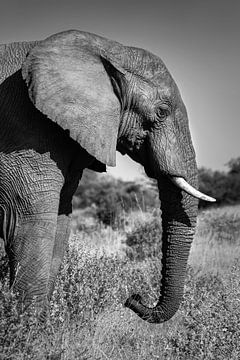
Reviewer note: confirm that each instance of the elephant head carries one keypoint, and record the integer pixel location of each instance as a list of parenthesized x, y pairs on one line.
[(109, 97)]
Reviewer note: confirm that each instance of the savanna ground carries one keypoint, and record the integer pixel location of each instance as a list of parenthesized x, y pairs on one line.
[(104, 266)]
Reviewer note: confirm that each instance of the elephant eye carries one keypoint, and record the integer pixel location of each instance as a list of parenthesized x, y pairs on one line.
[(161, 113)]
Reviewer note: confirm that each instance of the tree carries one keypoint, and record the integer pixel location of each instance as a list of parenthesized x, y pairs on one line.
[(224, 186), (234, 166)]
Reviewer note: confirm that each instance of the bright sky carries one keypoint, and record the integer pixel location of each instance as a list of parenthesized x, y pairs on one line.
[(198, 41)]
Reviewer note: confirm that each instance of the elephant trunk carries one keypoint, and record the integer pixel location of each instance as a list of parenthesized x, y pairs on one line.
[(179, 211)]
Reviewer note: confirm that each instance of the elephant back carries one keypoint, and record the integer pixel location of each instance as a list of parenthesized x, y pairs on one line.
[(12, 56)]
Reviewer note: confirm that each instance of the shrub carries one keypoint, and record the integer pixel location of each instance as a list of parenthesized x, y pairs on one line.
[(111, 196), (144, 240)]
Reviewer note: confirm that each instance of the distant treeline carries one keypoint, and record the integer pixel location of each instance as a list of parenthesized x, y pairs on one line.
[(224, 186), (108, 197)]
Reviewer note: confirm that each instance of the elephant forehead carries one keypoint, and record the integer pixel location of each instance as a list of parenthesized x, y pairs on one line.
[(167, 89), (150, 66)]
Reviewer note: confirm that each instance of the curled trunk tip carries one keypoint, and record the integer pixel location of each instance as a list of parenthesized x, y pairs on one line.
[(155, 315)]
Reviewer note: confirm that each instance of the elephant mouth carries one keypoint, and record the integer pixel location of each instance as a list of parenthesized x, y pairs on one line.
[(183, 185)]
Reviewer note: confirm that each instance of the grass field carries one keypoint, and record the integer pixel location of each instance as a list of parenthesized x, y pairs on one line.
[(87, 318)]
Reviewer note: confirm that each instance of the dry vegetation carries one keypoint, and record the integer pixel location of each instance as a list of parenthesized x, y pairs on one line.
[(87, 318)]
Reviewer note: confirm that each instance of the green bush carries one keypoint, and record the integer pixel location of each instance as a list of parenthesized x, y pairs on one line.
[(112, 196), (144, 240)]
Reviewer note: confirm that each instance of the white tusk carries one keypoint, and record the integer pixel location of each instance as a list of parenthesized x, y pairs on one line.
[(182, 184)]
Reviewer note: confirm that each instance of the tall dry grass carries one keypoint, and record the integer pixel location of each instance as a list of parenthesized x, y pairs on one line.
[(87, 318), (217, 241)]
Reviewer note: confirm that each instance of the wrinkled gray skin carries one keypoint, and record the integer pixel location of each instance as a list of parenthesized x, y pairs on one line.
[(67, 103)]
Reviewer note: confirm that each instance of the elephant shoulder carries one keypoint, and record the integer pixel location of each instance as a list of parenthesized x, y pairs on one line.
[(12, 56)]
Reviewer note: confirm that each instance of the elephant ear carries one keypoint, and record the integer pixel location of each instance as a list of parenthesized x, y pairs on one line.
[(70, 83)]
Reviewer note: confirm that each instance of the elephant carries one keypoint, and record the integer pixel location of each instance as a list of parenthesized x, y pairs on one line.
[(68, 103)]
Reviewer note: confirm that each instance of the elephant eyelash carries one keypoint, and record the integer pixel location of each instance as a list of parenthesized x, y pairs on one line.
[(163, 109), (162, 113)]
